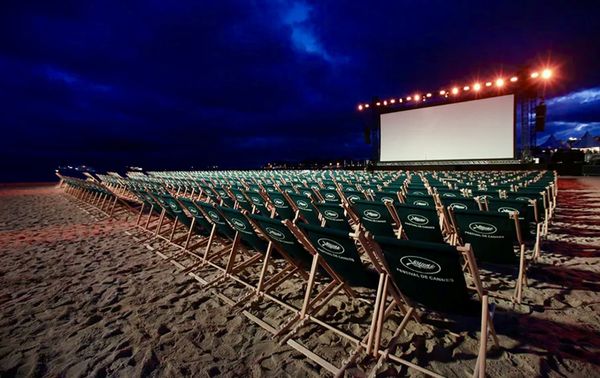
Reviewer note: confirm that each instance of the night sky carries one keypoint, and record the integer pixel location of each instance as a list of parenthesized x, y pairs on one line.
[(176, 84)]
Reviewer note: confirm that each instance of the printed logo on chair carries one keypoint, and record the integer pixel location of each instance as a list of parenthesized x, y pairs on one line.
[(238, 224), (420, 203), (419, 264), (418, 219), (458, 206), (448, 195), (193, 210), (239, 196), (173, 206), (387, 199), (330, 247), (418, 193), (523, 199), (371, 214), (483, 228), (278, 202), (329, 196), (506, 209), (330, 214), (302, 204), (276, 234), (353, 198), (256, 200), (214, 215)]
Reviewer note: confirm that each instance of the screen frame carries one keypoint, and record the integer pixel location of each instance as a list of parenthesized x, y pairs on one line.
[(390, 110)]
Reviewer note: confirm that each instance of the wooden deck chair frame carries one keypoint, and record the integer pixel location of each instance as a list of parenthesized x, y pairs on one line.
[(522, 261), (487, 326), (310, 311)]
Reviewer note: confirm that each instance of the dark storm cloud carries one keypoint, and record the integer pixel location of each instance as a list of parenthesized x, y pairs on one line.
[(239, 83)]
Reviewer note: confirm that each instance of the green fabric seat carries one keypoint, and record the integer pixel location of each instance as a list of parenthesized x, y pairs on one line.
[(240, 223), (428, 273), (338, 249), (283, 239), (374, 217), (491, 235), (459, 203), (202, 226), (282, 207), (221, 226), (420, 223), (308, 213), (334, 216), (419, 200)]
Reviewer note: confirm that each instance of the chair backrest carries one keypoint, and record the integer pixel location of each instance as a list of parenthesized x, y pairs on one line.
[(241, 199), (526, 213), (428, 273), (374, 217), (459, 203), (282, 238), (202, 225), (420, 223), (491, 235), (245, 230), (386, 197), (282, 207), (259, 203), (333, 216), (330, 196), (306, 210), (419, 200), (338, 249), (175, 209), (216, 218)]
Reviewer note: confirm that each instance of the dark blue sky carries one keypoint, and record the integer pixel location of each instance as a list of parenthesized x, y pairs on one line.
[(174, 84)]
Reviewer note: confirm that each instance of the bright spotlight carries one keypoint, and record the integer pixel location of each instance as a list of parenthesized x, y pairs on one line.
[(466, 88), (546, 74), (360, 107), (476, 86), (442, 92), (378, 103), (499, 82), (488, 84), (417, 97), (393, 101), (428, 94), (454, 90), (385, 102), (535, 75), (400, 100), (366, 106), (408, 98), (514, 79)]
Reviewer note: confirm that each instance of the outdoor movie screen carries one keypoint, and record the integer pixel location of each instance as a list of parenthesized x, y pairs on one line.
[(477, 129)]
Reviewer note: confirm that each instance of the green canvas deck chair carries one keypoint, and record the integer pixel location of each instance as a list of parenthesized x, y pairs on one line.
[(333, 216), (385, 197), (375, 218), (493, 237), (419, 223), (458, 203), (260, 204), (419, 200), (329, 195), (305, 210), (431, 276), (241, 199), (525, 209), (300, 261), (339, 252), (283, 209), (541, 207)]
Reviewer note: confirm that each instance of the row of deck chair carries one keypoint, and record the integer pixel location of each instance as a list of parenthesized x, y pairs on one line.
[(328, 258)]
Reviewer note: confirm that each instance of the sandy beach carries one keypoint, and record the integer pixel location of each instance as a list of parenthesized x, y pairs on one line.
[(81, 297)]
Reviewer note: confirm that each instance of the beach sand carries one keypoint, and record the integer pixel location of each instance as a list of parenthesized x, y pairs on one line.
[(80, 297)]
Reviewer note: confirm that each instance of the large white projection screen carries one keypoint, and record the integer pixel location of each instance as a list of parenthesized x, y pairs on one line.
[(478, 129)]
